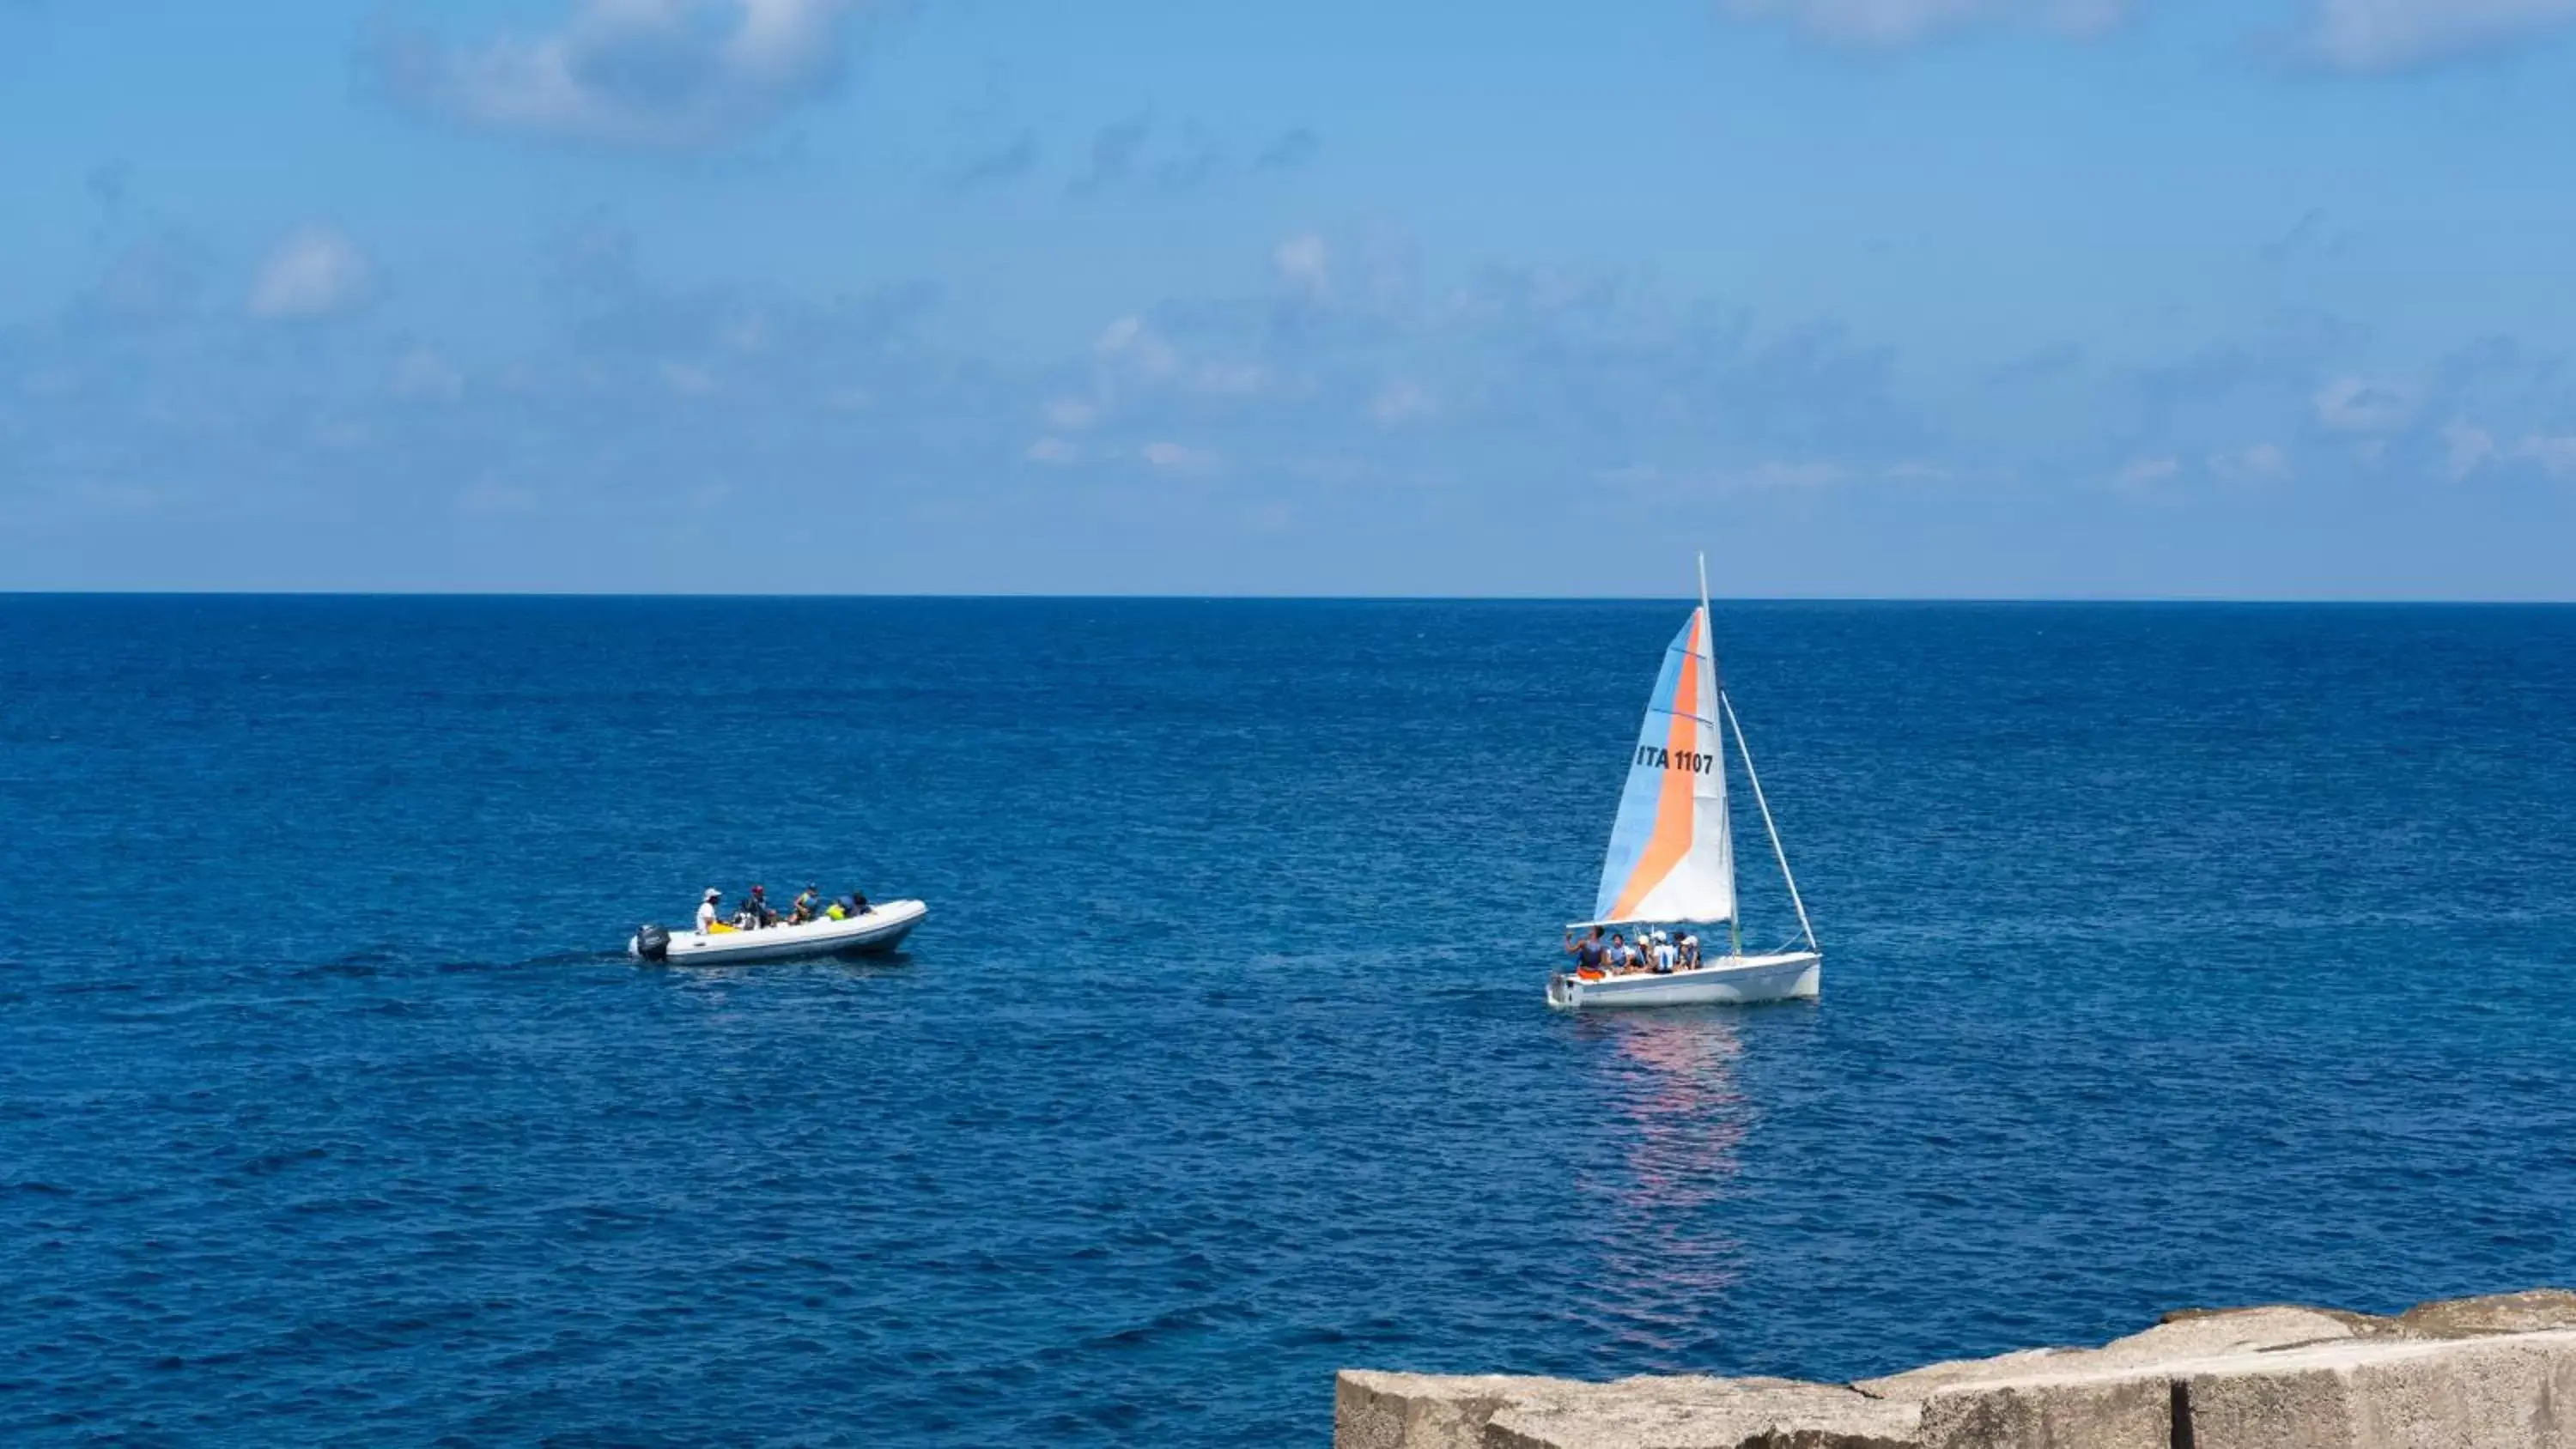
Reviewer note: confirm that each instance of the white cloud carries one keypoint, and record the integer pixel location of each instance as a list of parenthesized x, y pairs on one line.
[(1229, 379), (1791, 475), (1400, 402), (2261, 462), (1892, 23), (2469, 449), (2375, 36), (688, 380), (313, 273), (1650, 480), (1176, 458), (1071, 415), (422, 373), (1305, 263), (2556, 455), (2142, 471), (646, 73), (1052, 450), (1130, 344), (2358, 405)]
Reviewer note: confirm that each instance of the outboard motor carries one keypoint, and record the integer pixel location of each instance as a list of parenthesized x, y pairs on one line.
[(652, 942)]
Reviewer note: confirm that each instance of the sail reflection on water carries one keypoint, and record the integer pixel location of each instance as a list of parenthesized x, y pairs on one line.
[(1669, 1094)]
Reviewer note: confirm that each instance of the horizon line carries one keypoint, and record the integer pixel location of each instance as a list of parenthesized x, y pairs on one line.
[(1180, 596)]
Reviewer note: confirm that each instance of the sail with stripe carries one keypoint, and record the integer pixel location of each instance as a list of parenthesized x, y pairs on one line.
[(1671, 855)]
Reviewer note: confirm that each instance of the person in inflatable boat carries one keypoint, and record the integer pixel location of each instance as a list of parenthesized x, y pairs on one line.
[(809, 903)]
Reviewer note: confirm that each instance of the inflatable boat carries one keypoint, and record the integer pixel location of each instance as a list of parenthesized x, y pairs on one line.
[(881, 927)]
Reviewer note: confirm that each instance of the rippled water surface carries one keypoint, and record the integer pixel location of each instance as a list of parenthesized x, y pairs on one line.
[(2175, 955)]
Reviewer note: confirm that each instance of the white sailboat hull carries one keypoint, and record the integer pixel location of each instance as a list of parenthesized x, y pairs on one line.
[(881, 928), (1787, 976)]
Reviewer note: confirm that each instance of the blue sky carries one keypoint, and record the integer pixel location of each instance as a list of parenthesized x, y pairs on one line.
[(1990, 298)]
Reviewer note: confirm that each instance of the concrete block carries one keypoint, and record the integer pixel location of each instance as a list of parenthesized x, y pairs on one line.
[(1374, 1410), (2180, 1336), (2474, 1373), (2117, 1408), (2505, 1391), (2118, 1396), (1702, 1413)]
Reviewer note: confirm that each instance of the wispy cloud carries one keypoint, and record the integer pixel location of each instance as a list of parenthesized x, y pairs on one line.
[(2472, 449), (1179, 459), (1114, 152), (2145, 472), (636, 73), (155, 278), (423, 374), (1654, 481), (1400, 402), (2555, 453), (1190, 169), (1128, 346), (1304, 262), (2359, 405), (1005, 163), (2313, 235), (1290, 150), (1889, 24), (2049, 364), (312, 274), (2261, 462), (2379, 36)]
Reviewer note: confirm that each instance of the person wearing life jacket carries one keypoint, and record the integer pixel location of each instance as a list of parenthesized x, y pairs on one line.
[(807, 902), (1586, 952)]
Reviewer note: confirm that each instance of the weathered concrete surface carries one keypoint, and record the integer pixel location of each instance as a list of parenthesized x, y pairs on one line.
[(2474, 1373), (2529, 1312), (1427, 1411), (1421, 1411), (2494, 1391), (1707, 1414)]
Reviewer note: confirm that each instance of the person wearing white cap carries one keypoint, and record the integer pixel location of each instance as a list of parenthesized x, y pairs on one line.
[(1663, 954), (707, 909)]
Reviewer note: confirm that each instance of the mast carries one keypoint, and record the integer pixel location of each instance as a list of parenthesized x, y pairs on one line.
[(1708, 643), (1772, 830)]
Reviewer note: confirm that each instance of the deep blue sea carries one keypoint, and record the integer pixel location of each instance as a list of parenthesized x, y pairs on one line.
[(2174, 955)]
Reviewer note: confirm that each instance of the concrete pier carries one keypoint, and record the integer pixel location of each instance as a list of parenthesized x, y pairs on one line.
[(2470, 1373)]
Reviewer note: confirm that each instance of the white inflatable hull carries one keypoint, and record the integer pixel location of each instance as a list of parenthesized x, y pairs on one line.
[(882, 928), (1785, 977)]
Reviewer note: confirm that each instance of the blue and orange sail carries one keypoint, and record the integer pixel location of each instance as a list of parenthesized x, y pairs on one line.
[(1671, 854)]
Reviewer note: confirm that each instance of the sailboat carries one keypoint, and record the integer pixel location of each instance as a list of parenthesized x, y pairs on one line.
[(1672, 854)]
